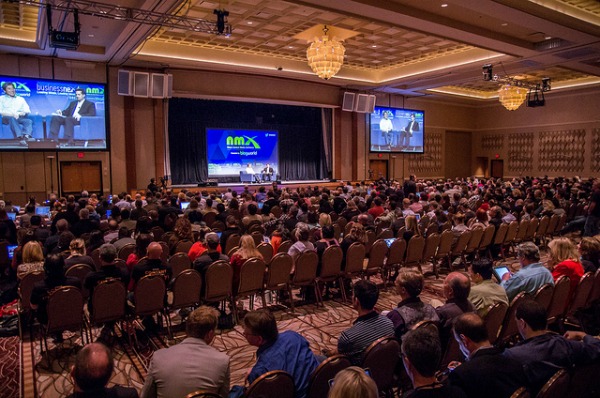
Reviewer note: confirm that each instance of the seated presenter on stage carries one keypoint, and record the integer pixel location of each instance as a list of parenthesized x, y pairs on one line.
[(14, 111), (250, 170), (70, 117), (412, 126), (386, 127), (267, 173)]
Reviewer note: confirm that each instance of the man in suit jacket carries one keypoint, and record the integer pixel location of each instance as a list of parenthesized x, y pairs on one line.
[(267, 172), (70, 117), (486, 372), (412, 125), (192, 364)]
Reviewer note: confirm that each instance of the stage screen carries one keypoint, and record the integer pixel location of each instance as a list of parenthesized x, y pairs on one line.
[(397, 130), (229, 151), (52, 115)]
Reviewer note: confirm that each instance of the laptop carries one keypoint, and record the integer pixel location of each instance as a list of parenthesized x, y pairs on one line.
[(43, 211), (389, 241), (184, 205), (11, 251), (12, 215)]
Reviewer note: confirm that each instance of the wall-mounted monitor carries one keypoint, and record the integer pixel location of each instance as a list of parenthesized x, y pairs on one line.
[(231, 151), (42, 114), (397, 130)]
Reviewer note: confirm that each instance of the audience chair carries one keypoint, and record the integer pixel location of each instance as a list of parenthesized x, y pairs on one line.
[(209, 218), (164, 256), (486, 240), (543, 295), (595, 293), (318, 385), (557, 386), (276, 211), (183, 246), (493, 320), (218, 280), (447, 226), (400, 233), (355, 258), (266, 250), (433, 325), (560, 300), (552, 224), (452, 353), (109, 303), (533, 225), (540, 233), (443, 251), (284, 247), (179, 262), (432, 229), (371, 238), (511, 234), (232, 241), (337, 229), (520, 393), (257, 236), (252, 278), (202, 394), (432, 242), (509, 332), (80, 271), (96, 258), (579, 300), (379, 251), (521, 234), (414, 252), (585, 382), (218, 226), (331, 266), (65, 312), (562, 220), (275, 383), (24, 293), (158, 232), (394, 259), (459, 247), (278, 275), (186, 293), (149, 299), (385, 233), (381, 357), (498, 240), (472, 245), (305, 273)]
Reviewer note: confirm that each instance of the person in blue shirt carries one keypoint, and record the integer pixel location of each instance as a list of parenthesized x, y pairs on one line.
[(287, 351), (532, 274)]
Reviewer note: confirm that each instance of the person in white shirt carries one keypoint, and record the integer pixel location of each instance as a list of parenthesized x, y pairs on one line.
[(250, 170), (70, 117), (386, 127), (14, 111)]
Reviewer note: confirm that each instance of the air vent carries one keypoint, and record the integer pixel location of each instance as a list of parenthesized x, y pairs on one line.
[(578, 53), (549, 44)]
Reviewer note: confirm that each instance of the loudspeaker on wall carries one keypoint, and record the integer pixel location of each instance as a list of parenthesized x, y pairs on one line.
[(348, 102)]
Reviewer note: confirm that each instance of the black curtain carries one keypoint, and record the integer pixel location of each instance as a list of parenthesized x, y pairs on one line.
[(301, 150)]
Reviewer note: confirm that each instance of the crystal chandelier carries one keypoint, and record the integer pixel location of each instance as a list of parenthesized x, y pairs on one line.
[(325, 56), (511, 96)]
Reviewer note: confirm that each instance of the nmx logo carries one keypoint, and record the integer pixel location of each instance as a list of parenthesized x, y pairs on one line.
[(95, 90), (20, 87), (243, 141)]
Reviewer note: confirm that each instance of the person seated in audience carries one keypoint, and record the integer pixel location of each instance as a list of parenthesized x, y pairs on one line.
[(543, 353), (564, 260), (532, 274), (231, 228), (302, 244), (210, 255), (459, 225), (480, 220), (126, 220), (247, 250), (182, 231), (192, 364), (421, 355), (353, 382), (486, 372), (54, 277), (368, 327), (140, 251), (33, 259), (85, 224), (64, 241), (287, 351), (252, 210), (484, 291), (77, 255), (113, 231), (95, 241), (589, 250), (199, 247), (356, 234), (456, 290), (411, 310), (108, 270), (52, 240), (91, 373), (40, 232)]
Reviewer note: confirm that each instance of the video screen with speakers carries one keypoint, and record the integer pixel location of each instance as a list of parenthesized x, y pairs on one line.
[(41, 114), (250, 154), (397, 130)]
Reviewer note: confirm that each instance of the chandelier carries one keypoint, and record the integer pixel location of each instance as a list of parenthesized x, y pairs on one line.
[(325, 56), (511, 96)]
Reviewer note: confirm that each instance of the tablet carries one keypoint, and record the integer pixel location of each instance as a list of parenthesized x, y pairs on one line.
[(389, 241), (418, 217), (184, 205), (11, 251), (108, 213), (260, 204), (499, 271), (12, 215), (219, 233)]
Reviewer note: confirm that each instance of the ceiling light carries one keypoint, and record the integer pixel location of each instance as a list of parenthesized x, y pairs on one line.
[(325, 55), (505, 24), (444, 5), (511, 96), (374, 46), (249, 22)]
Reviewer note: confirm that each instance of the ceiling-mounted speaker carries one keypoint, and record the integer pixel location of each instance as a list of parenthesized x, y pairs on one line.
[(161, 85), (141, 84), (362, 104), (371, 104), (125, 83), (348, 102)]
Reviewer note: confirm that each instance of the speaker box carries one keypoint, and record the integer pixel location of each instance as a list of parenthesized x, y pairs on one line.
[(348, 102), (141, 84), (371, 104), (125, 83), (365, 103), (161, 85)]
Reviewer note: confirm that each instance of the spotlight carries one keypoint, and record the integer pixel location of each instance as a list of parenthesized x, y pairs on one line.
[(546, 84), (487, 72)]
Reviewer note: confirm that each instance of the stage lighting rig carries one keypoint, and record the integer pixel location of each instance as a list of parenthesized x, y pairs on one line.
[(487, 72), (223, 28), (60, 39), (512, 92)]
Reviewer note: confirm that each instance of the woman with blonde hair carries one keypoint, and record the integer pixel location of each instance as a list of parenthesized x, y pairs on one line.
[(77, 255), (412, 228), (353, 382), (33, 259), (247, 250), (564, 260)]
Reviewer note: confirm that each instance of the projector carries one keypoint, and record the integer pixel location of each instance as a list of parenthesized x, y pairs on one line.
[(64, 40)]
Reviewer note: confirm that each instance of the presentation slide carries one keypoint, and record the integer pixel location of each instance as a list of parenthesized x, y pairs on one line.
[(397, 130), (41, 114), (230, 151)]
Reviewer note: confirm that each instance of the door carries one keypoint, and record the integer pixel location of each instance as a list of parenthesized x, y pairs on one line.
[(497, 168), (77, 176), (377, 169)]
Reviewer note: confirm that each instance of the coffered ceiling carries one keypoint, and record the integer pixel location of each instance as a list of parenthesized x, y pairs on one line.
[(424, 47)]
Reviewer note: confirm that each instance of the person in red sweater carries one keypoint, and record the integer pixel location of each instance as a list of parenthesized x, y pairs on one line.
[(564, 259)]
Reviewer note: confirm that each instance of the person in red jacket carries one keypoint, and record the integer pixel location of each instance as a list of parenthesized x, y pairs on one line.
[(564, 259)]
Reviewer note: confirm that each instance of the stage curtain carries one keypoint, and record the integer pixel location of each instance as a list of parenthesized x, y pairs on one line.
[(302, 154)]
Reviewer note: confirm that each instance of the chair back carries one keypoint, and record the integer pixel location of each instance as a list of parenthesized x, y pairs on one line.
[(186, 289), (520, 393), (379, 251), (452, 353), (509, 325), (109, 301), (26, 287), (473, 244), (432, 229), (306, 268), (202, 394), (447, 226), (96, 258), (252, 276), (562, 220), (461, 243), (355, 257), (257, 236), (522, 232), (266, 250), (276, 211), (542, 227), (511, 234), (543, 295), (595, 293), (331, 263), (560, 299), (179, 262), (318, 385), (533, 225), (582, 292), (158, 232), (126, 250), (552, 224), (381, 357), (500, 234), (494, 319), (371, 237), (557, 386), (396, 253), (445, 246), (218, 280), (183, 246), (80, 271), (486, 239), (209, 218), (164, 255), (337, 228), (432, 242), (65, 309), (414, 250), (278, 272), (149, 295), (232, 241), (275, 383), (385, 233), (284, 247)]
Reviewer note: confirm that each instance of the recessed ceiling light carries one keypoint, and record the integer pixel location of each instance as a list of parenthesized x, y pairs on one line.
[(290, 47), (505, 24), (374, 46), (444, 5), (90, 35), (249, 22), (548, 37)]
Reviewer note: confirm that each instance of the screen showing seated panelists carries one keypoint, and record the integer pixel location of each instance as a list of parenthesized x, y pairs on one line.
[(249, 154), (397, 130), (41, 114)]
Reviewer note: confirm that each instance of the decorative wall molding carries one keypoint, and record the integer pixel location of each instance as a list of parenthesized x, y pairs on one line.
[(561, 151), (520, 152), (492, 141), (429, 163)]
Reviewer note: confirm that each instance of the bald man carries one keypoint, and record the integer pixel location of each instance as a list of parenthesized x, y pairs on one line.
[(457, 287), (153, 264), (91, 372)]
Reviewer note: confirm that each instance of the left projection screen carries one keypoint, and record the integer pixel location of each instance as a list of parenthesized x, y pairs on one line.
[(230, 151)]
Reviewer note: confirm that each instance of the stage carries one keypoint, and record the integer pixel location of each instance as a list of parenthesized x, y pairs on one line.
[(239, 187)]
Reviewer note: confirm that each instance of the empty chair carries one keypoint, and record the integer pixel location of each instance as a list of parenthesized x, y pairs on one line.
[(355, 256), (149, 298), (521, 233), (109, 303), (472, 245), (252, 276), (443, 251), (509, 238), (543, 296), (266, 250), (540, 233), (24, 293), (186, 292), (331, 265), (432, 242), (498, 237), (318, 386), (533, 225), (395, 257), (217, 281), (459, 247), (379, 251), (305, 273), (183, 246), (414, 252), (560, 300), (278, 275), (486, 239)]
